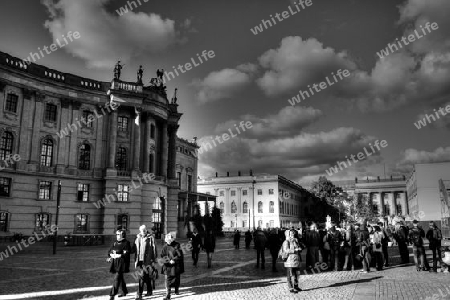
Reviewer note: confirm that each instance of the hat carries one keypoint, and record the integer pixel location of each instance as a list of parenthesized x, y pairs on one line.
[(415, 222)]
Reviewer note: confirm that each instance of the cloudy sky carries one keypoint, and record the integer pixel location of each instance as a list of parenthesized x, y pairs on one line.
[(251, 77)]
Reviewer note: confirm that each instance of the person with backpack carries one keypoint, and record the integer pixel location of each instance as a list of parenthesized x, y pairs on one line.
[(416, 236), (384, 244), (290, 253), (363, 243), (377, 250), (334, 239), (401, 236), (434, 236)]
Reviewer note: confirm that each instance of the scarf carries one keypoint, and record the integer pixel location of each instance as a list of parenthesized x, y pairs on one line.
[(142, 242)]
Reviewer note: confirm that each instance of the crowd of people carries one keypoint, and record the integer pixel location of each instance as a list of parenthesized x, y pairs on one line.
[(345, 247)]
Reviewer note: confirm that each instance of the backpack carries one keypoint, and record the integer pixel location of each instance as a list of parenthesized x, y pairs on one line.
[(283, 255)]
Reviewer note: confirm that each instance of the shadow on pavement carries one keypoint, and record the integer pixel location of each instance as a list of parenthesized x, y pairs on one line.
[(346, 283)]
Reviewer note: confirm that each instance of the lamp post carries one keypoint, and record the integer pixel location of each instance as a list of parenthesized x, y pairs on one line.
[(236, 221), (253, 204)]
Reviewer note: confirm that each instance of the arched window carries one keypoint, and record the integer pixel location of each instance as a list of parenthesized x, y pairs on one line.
[(233, 207), (6, 145), (84, 157), (245, 208), (47, 153), (271, 207), (260, 207), (222, 207), (121, 160), (157, 204)]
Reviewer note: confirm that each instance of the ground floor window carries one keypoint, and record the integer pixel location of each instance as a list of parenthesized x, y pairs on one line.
[(4, 217), (42, 220), (122, 221), (81, 223)]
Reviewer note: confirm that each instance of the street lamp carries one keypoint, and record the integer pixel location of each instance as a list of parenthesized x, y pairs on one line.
[(253, 205), (236, 220)]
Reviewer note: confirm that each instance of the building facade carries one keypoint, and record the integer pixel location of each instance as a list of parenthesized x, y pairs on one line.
[(265, 201), (424, 191), (99, 139)]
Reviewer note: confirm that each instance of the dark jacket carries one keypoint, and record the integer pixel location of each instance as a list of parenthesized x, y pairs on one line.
[(312, 238), (172, 252), (196, 241), (209, 242), (401, 234), (416, 236), (248, 236), (237, 238), (148, 244), (121, 264), (434, 236), (274, 243), (334, 239), (363, 239), (260, 240)]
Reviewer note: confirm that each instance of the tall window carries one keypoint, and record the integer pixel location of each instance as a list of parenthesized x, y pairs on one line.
[(222, 207), (260, 207), (179, 178), (121, 161), (122, 192), (157, 204), (244, 192), (11, 103), (259, 191), (233, 193), (260, 223), (231, 224), (4, 216), (81, 222), (5, 186), (45, 190), (270, 191), (122, 124), (189, 183), (280, 208), (122, 221), (47, 153), (245, 208), (271, 207), (87, 116), (42, 220), (272, 224), (50, 112), (152, 131), (6, 145), (83, 192), (387, 209), (84, 159), (233, 207), (399, 209), (244, 224)]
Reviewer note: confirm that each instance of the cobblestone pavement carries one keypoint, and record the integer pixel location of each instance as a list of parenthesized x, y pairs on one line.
[(77, 272)]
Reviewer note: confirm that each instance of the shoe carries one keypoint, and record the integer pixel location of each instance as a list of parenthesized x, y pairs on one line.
[(122, 295), (386, 265), (297, 288), (177, 292), (138, 297), (293, 291), (363, 272), (149, 294), (112, 297)]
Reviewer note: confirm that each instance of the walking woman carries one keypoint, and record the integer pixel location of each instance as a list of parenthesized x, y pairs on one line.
[(174, 264), (364, 248), (119, 257), (292, 249), (349, 244), (209, 245)]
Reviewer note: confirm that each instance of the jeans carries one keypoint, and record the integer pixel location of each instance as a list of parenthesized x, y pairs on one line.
[(176, 284), (325, 257), (436, 254), (366, 257), (313, 254), (348, 261), (404, 253), (260, 254), (419, 257), (195, 253), (119, 281), (385, 254), (378, 258), (292, 273), (334, 259)]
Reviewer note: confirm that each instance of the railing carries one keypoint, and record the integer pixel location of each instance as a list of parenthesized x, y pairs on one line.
[(123, 173), (126, 86)]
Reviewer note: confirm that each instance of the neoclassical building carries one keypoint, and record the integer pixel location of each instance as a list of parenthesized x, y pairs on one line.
[(97, 139), (250, 201)]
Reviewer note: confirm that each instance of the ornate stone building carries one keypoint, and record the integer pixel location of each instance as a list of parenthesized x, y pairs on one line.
[(68, 128)]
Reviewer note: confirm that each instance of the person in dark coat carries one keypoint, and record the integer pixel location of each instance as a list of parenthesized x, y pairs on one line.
[(119, 257), (248, 239), (173, 264), (209, 245), (145, 258), (237, 239), (274, 246), (401, 236), (363, 243), (416, 235), (197, 244), (434, 236), (260, 246), (312, 241)]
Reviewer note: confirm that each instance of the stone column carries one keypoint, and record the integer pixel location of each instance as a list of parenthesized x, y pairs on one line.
[(111, 170), (62, 147), (73, 149), (382, 211), (35, 146), (165, 150), (99, 151), (172, 151), (137, 143), (239, 197), (148, 124), (26, 127), (394, 203)]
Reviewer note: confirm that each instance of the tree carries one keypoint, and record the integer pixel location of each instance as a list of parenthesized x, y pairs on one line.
[(363, 208)]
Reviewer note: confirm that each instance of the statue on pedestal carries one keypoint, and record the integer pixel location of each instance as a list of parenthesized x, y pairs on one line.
[(140, 72), (117, 70)]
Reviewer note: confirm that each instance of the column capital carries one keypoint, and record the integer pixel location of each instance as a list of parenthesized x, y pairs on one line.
[(39, 97), (27, 93), (65, 103), (76, 105)]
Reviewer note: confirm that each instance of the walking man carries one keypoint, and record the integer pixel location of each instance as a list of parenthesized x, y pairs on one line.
[(434, 236), (312, 240), (401, 237), (145, 258), (197, 244), (384, 244), (260, 245), (416, 236)]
